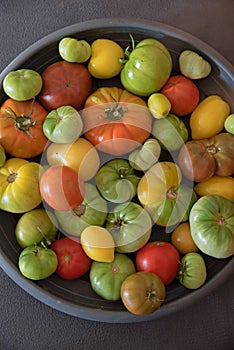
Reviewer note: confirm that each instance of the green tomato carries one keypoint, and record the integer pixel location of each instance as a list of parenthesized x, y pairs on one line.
[(22, 84), (35, 226), (37, 263), (229, 124), (174, 208), (106, 278), (212, 225), (73, 50), (147, 69), (145, 156), (171, 132), (92, 211), (2, 156), (130, 226), (192, 271), (63, 125), (116, 181)]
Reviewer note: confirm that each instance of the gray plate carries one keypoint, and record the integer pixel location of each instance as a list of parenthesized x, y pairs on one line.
[(76, 297)]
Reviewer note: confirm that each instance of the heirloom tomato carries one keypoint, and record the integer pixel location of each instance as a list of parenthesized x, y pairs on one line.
[(63, 125), (72, 260), (19, 185), (160, 258), (212, 225), (61, 187), (130, 225), (193, 66), (65, 83), (147, 155), (115, 120), (183, 94), (106, 278), (73, 50), (181, 238), (159, 105), (80, 155), (229, 124), (37, 263), (221, 185), (117, 181), (92, 211), (22, 84), (35, 226), (147, 67), (105, 58), (2, 156), (192, 271), (21, 132), (142, 293)]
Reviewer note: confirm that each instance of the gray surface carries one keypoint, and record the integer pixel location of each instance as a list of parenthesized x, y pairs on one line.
[(26, 323)]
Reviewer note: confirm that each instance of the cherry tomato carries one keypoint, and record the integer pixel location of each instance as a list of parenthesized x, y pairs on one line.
[(72, 260), (181, 238), (160, 258)]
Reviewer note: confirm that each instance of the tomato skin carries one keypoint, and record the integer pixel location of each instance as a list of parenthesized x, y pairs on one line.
[(65, 83), (115, 120), (160, 258), (192, 272), (181, 239), (19, 141), (183, 94), (72, 260), (61, 187), (142, 293)]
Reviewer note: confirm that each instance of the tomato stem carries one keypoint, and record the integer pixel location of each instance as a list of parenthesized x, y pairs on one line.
[(172, 193), (116, 112)]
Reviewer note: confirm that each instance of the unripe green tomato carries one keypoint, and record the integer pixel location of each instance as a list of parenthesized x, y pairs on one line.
[(192, 271), (73, 50), (229, 124)]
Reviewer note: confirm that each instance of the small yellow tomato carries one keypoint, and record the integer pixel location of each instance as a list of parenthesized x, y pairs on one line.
[(98, 243), (105, 59), (80, 155), (220, 185), (159, 105)]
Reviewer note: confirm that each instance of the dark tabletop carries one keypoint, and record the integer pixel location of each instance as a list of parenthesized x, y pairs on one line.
[(25, 322)]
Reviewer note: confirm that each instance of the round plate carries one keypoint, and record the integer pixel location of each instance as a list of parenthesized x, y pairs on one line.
[(76, 297)]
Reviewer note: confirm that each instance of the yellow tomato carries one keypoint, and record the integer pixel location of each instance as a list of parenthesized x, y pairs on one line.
[(105, 59), (80, 155), (208, 118), (98, 243), (220, 185)]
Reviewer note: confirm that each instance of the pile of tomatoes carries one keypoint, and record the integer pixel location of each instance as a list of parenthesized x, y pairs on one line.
[(92, 172)]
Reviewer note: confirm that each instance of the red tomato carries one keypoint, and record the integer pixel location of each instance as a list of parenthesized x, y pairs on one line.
[(62, 188), (65, 83), (183, 94), (21, 132), (72, 260), (160, 258)]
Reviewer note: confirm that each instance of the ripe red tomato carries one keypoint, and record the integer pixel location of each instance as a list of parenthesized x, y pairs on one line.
[(160, 258), (62, 188), (183, 94), (65, 83), (72, 260)]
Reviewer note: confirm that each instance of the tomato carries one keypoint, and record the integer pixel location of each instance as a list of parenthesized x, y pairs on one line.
[(130, 225), (72, 260), (183, 94), (92, 211), (208, 118), (221, 185), (192, 272), (181, 239), (61, 187), (19, 185), (65, 83), (147, 67), (98, 243), (201, 159), (35, 226), (159, 105), (193, 66), (73, 50), (22, 84), (80, 155), (229, 124), (160, 258), (63, 125), (117, 181), (115, 120), (21, 132), (2, 156), (37, 263), (105, 59), (171, 132), (145, 156), (142, 293), (106, 278), (212, 225)]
